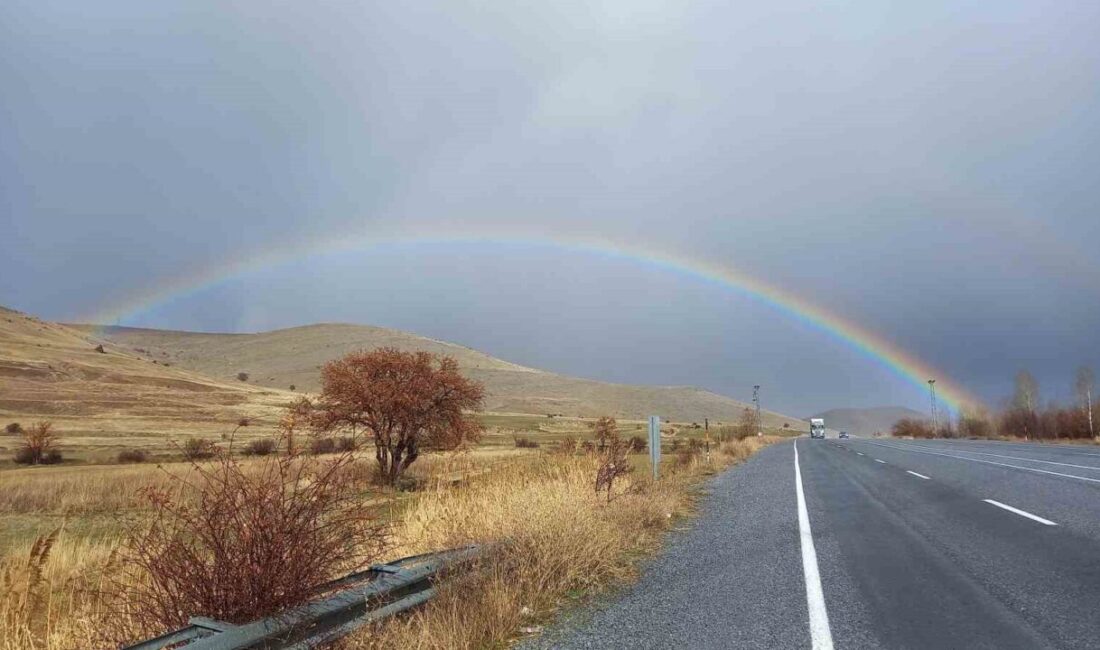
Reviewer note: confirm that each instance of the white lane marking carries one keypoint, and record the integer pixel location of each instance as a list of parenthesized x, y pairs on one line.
[(880, 461), (820, 635), (918, 475), (860, 453), (1045, 522), (1068, 449), (990, 462), (1026, 460)]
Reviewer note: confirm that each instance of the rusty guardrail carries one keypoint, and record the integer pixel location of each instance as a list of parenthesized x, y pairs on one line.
[(360, 598)]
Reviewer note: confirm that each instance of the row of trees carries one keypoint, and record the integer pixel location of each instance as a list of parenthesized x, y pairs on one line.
[(1024, 415)]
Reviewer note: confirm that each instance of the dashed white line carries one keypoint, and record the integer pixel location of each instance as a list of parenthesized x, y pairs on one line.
[(860, 453), (1029, 460), (1045, 522), (987, 462), (821, 636), (880, 461), (918, 475)]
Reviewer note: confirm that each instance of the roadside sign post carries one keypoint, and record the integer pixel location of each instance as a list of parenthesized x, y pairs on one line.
[(655, 444)]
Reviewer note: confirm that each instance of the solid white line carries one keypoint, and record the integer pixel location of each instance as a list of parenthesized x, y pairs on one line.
[(918, 475), (987, 462), (1046, 522), (820, 635), (880, 461)]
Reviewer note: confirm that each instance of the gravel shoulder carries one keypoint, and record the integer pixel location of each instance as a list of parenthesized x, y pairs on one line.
[(733, 578)]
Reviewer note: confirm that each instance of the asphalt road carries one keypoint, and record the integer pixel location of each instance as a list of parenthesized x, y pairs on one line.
[(903, 544)]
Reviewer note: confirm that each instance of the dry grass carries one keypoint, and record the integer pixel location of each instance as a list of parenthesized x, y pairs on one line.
[(554, 538)]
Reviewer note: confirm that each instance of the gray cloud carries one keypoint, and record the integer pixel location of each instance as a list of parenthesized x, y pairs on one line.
[(927, 170)]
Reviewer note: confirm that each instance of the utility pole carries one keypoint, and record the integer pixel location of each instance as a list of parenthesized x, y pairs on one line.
[(756, 401), (932, 392)]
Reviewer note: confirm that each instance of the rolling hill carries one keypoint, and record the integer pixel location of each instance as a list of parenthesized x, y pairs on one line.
[(115, 397), (292, 357), (866, 421)]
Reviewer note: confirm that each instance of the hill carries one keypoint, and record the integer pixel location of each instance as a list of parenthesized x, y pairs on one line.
[(866, 421), (293, 357), (114, 398)]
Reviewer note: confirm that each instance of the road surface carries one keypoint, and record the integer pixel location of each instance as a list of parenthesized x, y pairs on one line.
[(901, 544)]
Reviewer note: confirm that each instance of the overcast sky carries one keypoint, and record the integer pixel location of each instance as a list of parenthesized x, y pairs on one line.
[(930, 170)]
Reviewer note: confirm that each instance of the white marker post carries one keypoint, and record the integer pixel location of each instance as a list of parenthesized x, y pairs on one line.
[(655, 444)]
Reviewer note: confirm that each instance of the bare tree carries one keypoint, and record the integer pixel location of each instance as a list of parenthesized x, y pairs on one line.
[(403, 400), (1084, 384), (1026, 395)]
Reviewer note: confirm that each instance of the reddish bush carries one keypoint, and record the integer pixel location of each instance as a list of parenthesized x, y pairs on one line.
[(236, 543)]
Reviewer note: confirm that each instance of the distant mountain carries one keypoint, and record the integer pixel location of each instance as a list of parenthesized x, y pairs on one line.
[(865, 422), (281, 358)]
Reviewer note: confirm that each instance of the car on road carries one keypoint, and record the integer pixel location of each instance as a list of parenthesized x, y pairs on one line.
[(843, 435)]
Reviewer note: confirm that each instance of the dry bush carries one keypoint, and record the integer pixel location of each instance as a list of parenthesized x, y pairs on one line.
[(613, 465), (237, 545), (913, 428), (975, 424), (198, 449), (603, 430), (14, 428), (132, 456), (637, 444), (525, 443), (260, 447), (406, 401), (242, 376), (319, 445), (38, 446), (567, 445)]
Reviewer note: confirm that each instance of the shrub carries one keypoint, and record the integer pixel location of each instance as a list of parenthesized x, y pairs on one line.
[(198, 449), (526, 443), (260, 447), (38, 446), (637, 444), (322, 446), (686, 456), (567, 445), (613, 464), (913, 428), (347, 443), (242, 376), (604, 430), (237, 543), (132, 456), (99, 349), (14, 428), (292, 387), (243, 422)]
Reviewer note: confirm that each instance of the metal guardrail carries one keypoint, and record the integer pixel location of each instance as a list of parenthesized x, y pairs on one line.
[(361, 598)]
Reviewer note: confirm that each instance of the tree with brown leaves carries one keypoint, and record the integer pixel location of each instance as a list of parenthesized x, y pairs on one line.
[(39, 445), (405, 401)]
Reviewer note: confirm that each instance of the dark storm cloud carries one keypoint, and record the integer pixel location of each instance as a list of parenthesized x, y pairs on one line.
[(925, 169)]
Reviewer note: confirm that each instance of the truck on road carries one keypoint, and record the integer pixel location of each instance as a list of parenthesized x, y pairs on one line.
[(817, 428)]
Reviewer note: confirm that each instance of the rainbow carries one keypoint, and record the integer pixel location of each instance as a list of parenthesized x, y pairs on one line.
[(865, 342)]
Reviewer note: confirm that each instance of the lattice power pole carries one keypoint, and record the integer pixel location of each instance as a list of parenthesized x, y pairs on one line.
[(935, 416)]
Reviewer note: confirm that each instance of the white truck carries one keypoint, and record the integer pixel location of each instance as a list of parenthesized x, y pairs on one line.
[(817, 428)]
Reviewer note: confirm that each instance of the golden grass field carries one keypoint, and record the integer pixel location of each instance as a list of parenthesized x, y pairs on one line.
[(562, 538)]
